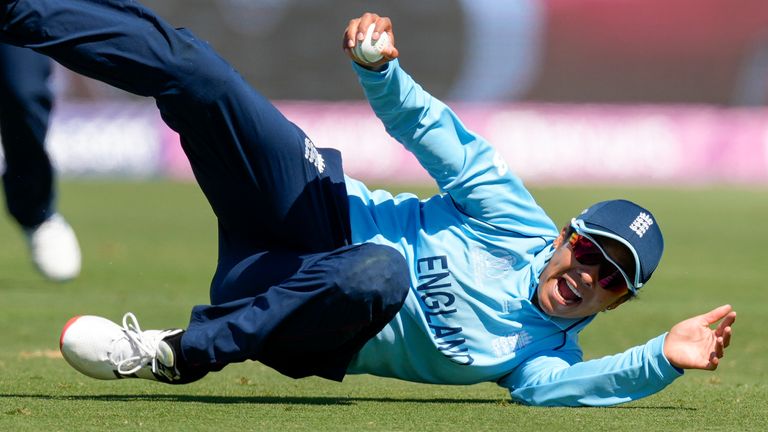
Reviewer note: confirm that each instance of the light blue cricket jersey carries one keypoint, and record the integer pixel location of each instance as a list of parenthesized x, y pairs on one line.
[(475, 255)]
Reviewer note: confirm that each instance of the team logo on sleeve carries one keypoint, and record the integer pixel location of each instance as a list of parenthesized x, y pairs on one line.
[(500, 164), (313, 156)]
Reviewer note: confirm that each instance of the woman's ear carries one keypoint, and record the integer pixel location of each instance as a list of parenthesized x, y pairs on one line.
[(559, 240)]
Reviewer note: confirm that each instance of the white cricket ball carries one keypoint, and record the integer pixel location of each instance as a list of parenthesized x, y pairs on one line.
[(370, 52)]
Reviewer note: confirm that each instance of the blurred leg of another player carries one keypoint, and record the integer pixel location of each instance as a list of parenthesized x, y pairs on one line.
[(29, 179)]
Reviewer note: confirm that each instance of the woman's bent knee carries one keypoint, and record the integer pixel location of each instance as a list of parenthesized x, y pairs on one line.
[(375, 273)]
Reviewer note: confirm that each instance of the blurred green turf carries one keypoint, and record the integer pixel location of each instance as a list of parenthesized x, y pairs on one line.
[(151, 248)]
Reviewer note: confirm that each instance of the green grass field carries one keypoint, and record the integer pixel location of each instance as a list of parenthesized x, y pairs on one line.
[(150, 248)]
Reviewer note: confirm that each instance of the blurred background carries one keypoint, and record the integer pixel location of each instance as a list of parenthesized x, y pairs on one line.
[(629, 91)]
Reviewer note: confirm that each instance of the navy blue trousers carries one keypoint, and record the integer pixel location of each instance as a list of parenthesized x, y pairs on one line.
[(25, 107), (290, 290)]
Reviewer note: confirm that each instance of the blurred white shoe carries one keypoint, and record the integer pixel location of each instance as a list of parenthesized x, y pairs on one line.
[(101, 349), (54, 248)]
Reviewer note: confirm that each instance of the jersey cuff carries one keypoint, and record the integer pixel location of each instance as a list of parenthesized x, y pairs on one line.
[(665, 368), (371, 75)]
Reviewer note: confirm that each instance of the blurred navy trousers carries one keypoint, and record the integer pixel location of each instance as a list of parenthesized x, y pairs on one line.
[(25, 107), (290, 290)]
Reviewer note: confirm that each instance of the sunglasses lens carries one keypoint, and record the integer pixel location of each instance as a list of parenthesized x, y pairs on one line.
[(611, 280), (587, 253)]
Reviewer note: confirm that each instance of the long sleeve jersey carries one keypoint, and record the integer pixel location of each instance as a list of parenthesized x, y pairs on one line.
[(475, 253)]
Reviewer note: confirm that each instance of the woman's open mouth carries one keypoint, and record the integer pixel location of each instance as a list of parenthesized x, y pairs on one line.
[(567, 292)]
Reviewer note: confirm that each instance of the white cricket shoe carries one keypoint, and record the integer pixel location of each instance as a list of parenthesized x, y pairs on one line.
[(54, 248), (101, 349)]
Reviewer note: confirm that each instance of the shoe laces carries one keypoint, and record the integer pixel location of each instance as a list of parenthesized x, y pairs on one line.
[(146, 346)]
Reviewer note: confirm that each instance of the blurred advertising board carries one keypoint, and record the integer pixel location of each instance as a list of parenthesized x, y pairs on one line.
[(542, 143)]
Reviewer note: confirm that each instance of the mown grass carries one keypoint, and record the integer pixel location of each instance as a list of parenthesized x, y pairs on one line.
[(151, 248)]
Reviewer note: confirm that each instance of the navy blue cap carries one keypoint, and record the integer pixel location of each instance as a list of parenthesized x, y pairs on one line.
[(633, 226)]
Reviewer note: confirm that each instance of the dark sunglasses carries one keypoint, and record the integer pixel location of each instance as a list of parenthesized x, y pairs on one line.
[(587, 253)]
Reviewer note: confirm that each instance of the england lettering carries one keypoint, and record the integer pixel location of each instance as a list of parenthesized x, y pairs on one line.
[(435, 283)]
